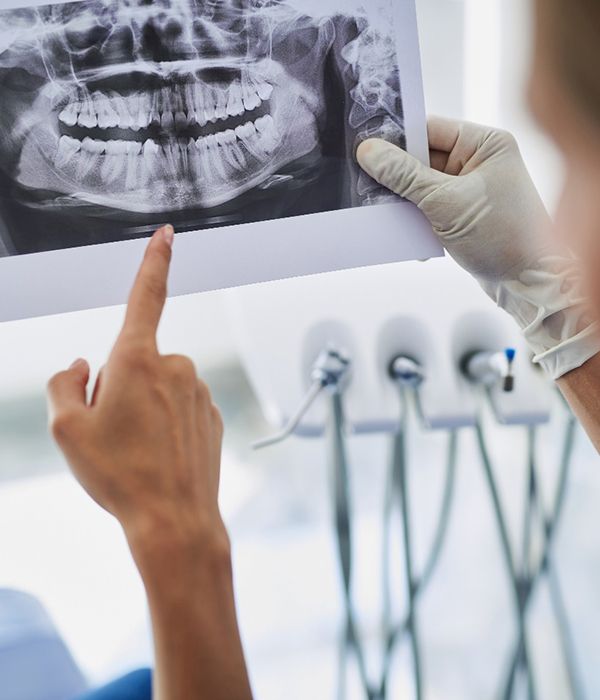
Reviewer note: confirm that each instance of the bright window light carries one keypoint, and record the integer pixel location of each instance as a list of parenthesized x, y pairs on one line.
[(483, 27)]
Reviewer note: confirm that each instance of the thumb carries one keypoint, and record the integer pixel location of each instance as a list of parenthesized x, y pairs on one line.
[(67, 393), (398, 170)]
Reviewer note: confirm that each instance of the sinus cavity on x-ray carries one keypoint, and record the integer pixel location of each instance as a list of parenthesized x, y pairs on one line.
[(118, 115)]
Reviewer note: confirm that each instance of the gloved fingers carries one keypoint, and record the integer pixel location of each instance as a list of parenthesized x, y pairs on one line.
[(398, 171), (443, 133), (438, 160), (460, 141)]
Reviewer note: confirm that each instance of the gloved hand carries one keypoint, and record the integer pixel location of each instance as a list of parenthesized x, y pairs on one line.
[(483, 205)]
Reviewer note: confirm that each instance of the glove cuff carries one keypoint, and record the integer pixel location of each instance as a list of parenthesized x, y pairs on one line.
[(570, 354), (554, 320)]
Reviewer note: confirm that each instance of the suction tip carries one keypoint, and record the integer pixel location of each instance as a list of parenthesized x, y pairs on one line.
[(510, 354)]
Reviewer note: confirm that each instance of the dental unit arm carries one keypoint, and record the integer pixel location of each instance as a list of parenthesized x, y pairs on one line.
[(331, 372)]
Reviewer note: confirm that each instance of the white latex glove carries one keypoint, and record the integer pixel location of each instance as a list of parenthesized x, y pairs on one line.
[(483, 204)]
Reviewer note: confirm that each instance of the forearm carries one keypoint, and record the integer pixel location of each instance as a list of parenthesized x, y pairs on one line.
[(196, 638), (581, 388)]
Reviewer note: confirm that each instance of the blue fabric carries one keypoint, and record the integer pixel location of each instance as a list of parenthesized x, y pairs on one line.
[(134, 686), (35, 664)]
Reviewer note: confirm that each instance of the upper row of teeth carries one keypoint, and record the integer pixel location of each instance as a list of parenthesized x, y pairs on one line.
[(176, 107)]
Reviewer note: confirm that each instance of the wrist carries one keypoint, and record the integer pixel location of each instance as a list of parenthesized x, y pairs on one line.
[(546, 304), (165, 548), (188, 578), (571, 354)]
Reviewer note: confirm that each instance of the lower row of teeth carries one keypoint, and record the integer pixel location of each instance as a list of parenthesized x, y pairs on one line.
[(204, 156)]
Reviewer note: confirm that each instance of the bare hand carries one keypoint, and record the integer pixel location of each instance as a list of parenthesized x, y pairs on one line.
[(147, 446)]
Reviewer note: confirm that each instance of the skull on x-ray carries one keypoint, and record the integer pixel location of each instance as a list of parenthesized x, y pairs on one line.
[(171, 106)]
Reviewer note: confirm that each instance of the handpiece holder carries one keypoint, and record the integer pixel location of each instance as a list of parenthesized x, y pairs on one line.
[(408, 375), (407, 372), (331, 371), (488, 368)]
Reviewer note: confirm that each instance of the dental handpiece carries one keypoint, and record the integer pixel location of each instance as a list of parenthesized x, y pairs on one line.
[(488, 368), (331, 371)]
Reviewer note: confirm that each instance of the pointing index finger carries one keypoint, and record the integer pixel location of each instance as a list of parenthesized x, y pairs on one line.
[(149, 292)]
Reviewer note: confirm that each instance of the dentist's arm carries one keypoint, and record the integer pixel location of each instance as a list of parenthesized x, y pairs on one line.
[(482, 203), (147, 448), (581, 388)]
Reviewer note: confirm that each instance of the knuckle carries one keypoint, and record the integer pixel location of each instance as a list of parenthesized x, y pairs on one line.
[(217, 418), (204, 392), (156, 287), (64, 425), (506, 139), (55, 381), (139, 358), (182, 369)]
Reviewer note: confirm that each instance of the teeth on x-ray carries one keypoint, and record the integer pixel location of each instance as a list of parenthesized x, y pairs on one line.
[(198, 126), (187, 106), (196, 104), (196, 157)]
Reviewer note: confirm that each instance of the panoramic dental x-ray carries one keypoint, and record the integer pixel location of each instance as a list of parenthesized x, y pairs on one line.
[(118, 115)]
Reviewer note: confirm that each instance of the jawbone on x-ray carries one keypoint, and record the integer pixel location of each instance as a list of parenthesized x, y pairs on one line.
[(118, 115)]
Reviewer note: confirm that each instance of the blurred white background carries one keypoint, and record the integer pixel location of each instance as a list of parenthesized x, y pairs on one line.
[(55, 543)]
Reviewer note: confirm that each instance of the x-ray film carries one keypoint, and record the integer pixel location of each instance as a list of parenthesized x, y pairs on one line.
[(235, 120)]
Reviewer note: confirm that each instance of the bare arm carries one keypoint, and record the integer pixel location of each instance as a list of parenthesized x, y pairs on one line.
[(147, 448), (581, 388), (196, 639)]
